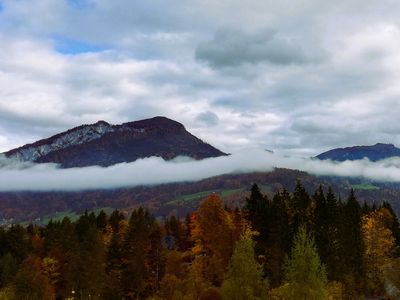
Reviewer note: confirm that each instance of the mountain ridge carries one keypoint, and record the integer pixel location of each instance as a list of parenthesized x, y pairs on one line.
[(105, 144), (374, 153)]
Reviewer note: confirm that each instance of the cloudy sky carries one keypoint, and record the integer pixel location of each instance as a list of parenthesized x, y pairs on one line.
[(292, 76)]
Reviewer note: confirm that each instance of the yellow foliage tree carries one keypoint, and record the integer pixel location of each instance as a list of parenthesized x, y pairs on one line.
[(378, 243)]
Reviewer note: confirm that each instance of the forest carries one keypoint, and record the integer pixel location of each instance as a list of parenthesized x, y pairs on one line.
[(289, 246)]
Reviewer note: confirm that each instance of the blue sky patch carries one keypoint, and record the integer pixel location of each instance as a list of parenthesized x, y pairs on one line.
[(72, 47), (81, 4)]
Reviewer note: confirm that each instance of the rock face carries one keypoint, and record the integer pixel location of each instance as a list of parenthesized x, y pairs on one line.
[(374, 153), (104, 144)]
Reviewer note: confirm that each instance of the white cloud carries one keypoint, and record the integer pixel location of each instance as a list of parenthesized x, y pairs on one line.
[(45, 177)]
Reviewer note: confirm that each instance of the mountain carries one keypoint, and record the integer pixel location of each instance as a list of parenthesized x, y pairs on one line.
[(104, 144), (374, 153)]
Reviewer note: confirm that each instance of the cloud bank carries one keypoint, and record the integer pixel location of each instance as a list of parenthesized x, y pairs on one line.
[(153, 170)]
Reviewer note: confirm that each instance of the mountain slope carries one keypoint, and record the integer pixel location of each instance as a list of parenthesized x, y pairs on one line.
[(183, 197), (374, 153), (104, 144)]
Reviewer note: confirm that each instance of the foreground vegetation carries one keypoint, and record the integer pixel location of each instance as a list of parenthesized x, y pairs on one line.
[(293, 246)]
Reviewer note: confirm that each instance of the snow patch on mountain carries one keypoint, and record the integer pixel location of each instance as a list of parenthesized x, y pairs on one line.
[(74, 137)]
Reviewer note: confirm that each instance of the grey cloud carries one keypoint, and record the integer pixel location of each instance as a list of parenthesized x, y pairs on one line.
[(208, 118), (231, 48)]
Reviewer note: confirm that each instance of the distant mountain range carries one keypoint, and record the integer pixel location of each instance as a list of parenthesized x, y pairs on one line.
[(373, 153), (104, 144)]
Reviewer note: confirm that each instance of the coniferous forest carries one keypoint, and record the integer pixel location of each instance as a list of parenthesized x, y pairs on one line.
[(293, 246)]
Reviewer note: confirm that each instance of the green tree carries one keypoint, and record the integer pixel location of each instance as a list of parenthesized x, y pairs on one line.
[(305, 275), (244, 280)]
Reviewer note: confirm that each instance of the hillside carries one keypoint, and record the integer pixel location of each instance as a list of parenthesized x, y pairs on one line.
[(181, 198)]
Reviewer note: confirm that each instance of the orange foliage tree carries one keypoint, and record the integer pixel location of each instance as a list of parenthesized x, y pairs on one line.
[(213, 232)]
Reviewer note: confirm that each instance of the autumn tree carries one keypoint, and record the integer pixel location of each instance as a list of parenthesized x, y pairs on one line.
[(30, 283), (379, 242), (213, 233)]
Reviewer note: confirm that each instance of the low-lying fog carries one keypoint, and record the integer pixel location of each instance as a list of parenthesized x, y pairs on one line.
[(16, 176)]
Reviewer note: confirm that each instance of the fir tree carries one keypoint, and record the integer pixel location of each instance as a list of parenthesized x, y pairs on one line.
[(300, 207), (353, 248), (257, 211), (279, 238)]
